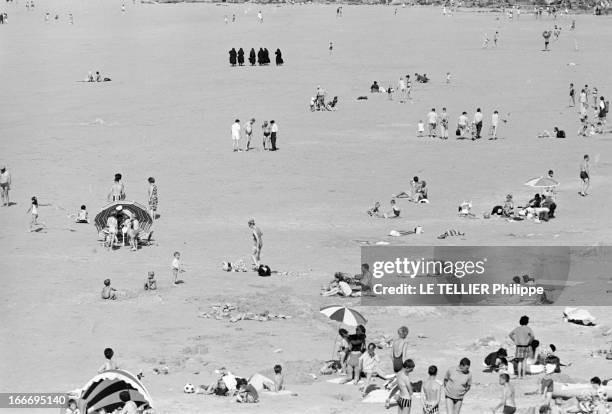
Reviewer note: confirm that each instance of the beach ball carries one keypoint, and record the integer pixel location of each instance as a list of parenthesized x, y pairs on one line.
[(188, 388)]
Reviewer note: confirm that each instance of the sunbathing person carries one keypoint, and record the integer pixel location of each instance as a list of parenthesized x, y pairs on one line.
[(331, 105), (465, 210), (415, 185), (421, 193), (507, 210)]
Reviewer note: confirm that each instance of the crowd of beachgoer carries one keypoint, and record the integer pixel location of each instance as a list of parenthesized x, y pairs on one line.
[(262, 57)]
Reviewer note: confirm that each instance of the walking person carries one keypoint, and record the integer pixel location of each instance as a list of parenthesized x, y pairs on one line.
[(572, 97), (494, 124), (5, 186), (585, 175), (257, 243), (444, 124), (152, 193), (457, 383), (260, 16), (478, 117), (236, 135), (273, 133)]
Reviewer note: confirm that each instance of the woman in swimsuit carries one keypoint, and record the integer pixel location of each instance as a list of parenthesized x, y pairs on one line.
[(356, 347), (584, 175), (398, 349)]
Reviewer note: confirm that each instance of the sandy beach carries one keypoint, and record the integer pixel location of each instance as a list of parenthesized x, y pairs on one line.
[(167, 113)]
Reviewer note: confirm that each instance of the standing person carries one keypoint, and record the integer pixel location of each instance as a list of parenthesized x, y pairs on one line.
[(266, 135), (404, 399), (117, 191), (594, 95), (546, 34), (402, 89), (252, 58), (260, 16), (457, 382), (257, 243), (236, 135), (478, 122), (357, 347), (522, 336), (279, 57), (495, 37), (431, 392), (33, 211), (583, 101), (432, 122), (444, 124), (587, 92), (248, 130), (494, 124), (408, 86), (234, 18), (462, 122), (584, 175), (176, 267), (399, 349), (108, 364), (232, 56), (273, 133), (5, 185), (485, 41), (507, 401), (123, 7), (603, 113), (152, 193), (240, 57), (331, 47), (572, 97)]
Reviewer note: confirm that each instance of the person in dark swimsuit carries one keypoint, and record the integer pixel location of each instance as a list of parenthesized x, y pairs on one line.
[(356, 343), (398, 349), (584, 175)]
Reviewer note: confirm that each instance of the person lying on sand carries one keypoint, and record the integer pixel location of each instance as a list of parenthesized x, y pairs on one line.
[(465, 210), (415, 185), (342, 285), (450, 233)]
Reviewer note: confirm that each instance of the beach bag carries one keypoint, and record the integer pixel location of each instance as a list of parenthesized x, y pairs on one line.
[(264, 270)]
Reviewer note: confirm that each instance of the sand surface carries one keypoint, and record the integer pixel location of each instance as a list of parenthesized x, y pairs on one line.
[(167, 114)]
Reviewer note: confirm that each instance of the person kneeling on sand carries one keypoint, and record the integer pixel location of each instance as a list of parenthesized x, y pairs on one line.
[(108, 293), (393, 213), (82, 215)]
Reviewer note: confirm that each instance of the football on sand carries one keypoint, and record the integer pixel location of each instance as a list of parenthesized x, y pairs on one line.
[(188, 388)]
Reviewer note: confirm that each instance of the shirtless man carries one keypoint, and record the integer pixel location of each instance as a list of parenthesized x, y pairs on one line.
[(117, 191), (507, 401), (257, 242), (404, 400), (5, 185), (522, 336), (248, 130), (584, 175), (431, 392)]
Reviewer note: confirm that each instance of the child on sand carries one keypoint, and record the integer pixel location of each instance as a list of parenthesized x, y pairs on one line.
[(279, 378), (109, 364), (82, 215), (431, 392), (507, 401), (522, 337), (584, 175), (33, 210), (129, 406), (457, 383), (420, 129), (72, 407), (150, 283), (107, 291), (176, 267), (547, 384)]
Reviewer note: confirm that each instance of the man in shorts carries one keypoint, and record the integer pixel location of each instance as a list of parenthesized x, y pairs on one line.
[(236, 135), (5, 185), (432, 122), (444, 124), (522, 336), (248, 130)]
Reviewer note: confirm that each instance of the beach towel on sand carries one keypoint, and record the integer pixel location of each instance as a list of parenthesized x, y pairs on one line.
[(450, 233)]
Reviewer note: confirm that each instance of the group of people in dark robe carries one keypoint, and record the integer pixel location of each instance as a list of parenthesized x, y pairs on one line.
[(262, 57)]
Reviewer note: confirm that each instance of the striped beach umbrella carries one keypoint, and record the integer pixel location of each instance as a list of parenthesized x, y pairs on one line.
[(344, 315), (103, 391), (542, 182), (137, 210)]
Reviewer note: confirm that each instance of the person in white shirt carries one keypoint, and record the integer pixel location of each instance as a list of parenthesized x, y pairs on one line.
[(236, 135), (494, 124), (260, 17), (444, 124), (478, 122), (403, 91), (432, 121), (273, 132), (462, 124), (370, 365)]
